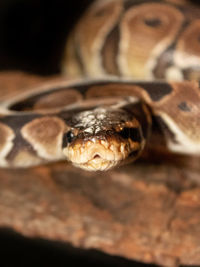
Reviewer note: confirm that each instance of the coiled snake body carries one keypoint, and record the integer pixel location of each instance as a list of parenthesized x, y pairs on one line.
[(104, 122)]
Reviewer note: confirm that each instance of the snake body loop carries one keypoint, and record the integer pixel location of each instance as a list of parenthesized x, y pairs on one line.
[(138, 57)]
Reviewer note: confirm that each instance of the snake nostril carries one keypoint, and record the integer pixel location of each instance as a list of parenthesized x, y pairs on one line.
[(96, 156)]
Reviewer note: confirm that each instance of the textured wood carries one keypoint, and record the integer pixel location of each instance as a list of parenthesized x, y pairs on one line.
[(144, 211)]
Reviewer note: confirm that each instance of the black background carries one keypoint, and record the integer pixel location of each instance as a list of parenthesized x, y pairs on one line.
[(33, 33)]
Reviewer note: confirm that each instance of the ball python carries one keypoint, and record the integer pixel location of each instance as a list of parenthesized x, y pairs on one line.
[(138, 63)]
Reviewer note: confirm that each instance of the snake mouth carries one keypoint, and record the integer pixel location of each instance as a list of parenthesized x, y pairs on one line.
[(100, 155), (103, 138)]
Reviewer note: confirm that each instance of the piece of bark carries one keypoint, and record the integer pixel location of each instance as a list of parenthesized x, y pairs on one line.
[(144, 211)]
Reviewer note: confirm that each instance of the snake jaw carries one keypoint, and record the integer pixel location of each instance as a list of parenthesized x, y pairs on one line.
[(100, 155), (103, 138)]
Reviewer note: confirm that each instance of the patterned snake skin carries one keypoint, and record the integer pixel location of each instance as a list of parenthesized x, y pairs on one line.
[(138, 64)]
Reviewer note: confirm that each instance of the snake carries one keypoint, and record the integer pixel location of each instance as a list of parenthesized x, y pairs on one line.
[(133, 69)]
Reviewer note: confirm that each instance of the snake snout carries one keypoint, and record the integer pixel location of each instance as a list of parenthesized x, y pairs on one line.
[(100, 154), (92, 154), (102, 139)]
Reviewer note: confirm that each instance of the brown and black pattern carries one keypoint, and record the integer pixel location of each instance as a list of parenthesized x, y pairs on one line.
[(141, 39), (124, 112), (106, 122)]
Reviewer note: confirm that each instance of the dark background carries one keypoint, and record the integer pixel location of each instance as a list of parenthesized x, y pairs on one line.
[(33, 33), (24, 252), (32, 37)]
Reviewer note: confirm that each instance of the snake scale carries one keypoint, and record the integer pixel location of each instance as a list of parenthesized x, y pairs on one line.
[(140, 65)]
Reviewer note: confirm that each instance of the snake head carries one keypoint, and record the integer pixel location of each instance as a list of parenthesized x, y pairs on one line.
[(103, 138)]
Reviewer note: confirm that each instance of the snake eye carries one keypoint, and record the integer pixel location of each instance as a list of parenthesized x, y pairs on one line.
[(69, 136)]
